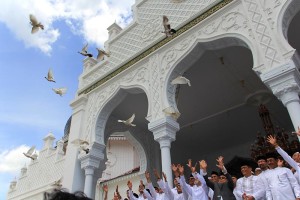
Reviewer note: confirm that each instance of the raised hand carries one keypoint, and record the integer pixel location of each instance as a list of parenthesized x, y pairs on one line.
[(181, 169), (129, 184), (220, 161), (147, 176), (117, 189), (156, 174), (105, 188), (165, 177), (203, 164), (193, 168), (272, 140), (175, 170)]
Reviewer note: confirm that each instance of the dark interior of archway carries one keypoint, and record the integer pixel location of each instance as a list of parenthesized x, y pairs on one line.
[(294, 32), (214, 113)]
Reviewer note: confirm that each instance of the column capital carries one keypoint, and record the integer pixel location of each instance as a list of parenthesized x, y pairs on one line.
[(282, 80), (164, 130), (93, 158)]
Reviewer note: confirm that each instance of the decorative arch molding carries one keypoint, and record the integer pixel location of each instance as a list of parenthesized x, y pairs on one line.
[(187, 59), (288, 11), (109, 105), (102, 101)]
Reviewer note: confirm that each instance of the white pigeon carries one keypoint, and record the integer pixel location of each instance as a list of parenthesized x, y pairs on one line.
[(58, 183), (84, 146), (101, 54), (50, 76), (60, 91), (35, 24), (29, 153), (170, 111), (168, 31), (84, 51), (181, 80), (129, 121)]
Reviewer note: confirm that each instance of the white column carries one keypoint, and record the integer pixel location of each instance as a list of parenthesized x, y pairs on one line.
[(73, 176), (164, 131), (284, 81), (88, 183), (89, 163), (292, 103)]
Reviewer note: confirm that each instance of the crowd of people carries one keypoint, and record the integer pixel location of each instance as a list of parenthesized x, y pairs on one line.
[(276, 178)]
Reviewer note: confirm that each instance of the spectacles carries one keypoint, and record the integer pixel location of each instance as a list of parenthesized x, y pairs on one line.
[(222, 177)]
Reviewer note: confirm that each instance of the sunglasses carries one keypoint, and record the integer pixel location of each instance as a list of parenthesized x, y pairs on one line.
[(222, 177)]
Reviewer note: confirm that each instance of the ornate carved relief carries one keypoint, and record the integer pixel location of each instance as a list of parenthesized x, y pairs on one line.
[(146, 31), (263, 34), (269, 7)]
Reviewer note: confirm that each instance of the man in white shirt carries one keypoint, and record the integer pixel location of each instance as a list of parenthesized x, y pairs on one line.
[(249, 186), (282, 184)]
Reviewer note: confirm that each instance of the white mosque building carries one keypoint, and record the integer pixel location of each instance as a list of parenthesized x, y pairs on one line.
[(237, 54)]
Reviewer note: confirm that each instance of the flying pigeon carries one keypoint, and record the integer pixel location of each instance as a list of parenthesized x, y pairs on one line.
[(58, 183), (101, 54), (50, 76), (60, 91), (181, 80), (129, 121), (168, 31), (35, 24), (84, 51), (170, 111), (29, 153)]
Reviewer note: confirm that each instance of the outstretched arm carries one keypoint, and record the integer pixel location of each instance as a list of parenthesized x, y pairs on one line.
[(184, 185), (105, 190), (150, 186), (272, 140)]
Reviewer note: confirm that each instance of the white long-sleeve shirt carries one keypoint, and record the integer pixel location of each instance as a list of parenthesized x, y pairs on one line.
[(252, 185), (141, 196), (290, 161), (170, 194), (196, 192), (282, 184)]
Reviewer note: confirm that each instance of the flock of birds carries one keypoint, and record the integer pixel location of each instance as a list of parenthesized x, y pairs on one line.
[(84, 145)]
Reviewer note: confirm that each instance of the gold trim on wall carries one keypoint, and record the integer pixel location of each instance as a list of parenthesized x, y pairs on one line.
[(158, 45)]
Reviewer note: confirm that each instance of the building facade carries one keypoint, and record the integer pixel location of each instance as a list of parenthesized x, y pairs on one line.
[(237, 54)]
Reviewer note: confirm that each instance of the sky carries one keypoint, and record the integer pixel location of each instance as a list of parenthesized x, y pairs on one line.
[(29, 109)]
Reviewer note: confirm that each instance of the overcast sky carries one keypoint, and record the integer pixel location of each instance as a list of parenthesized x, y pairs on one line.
[(29, 109)]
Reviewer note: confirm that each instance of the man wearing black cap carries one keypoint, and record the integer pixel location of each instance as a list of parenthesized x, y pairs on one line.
[(249, 187), (282, 184)]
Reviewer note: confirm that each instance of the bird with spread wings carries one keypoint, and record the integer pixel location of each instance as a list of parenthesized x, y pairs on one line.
[(129, 121), (50, 77), (35, 24), (29, 153), (60, 91), (181, 80), (84, 51)]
